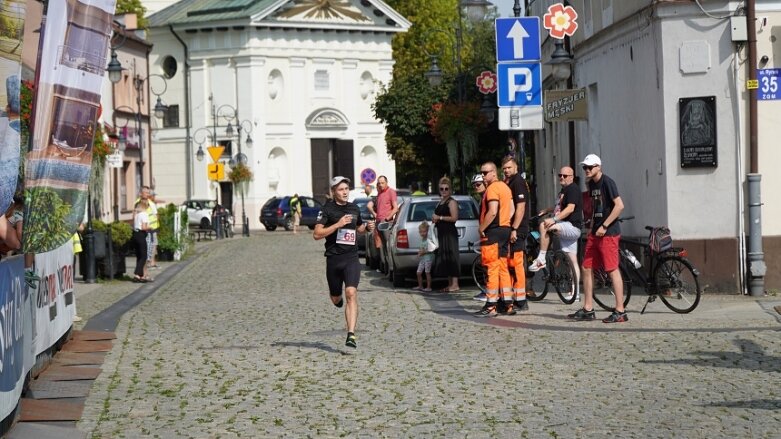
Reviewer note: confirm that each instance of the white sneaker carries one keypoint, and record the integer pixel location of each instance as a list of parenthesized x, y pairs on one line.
[(536, 266)]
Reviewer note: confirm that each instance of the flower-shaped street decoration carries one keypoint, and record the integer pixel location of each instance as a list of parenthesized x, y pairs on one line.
[(486, 82), (560, 21)]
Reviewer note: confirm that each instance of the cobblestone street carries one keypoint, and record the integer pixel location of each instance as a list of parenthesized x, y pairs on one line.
[(244, 342)]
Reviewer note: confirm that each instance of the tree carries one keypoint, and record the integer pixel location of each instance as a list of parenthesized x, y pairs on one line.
[(133, 7)]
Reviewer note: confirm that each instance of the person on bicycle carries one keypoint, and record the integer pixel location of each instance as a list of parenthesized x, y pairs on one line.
[(519, 229), (602, 242), (496, 212), (566, 223)]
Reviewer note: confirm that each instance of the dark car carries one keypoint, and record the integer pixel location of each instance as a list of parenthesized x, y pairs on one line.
[(276, 212)]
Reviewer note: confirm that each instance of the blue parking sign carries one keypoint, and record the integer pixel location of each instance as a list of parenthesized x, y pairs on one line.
[(519, 84), (518, 39)]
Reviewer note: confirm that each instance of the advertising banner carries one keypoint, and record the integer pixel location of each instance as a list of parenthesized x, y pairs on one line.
[(73, 59), (55, 303), (11, 32), (16, 333)]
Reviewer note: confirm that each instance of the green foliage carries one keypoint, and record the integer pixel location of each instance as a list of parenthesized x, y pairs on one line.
[(45, 225), (133, 6), (167, 238), (121, 232)]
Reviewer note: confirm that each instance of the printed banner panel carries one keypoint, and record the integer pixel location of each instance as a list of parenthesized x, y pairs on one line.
[(16, 333), (11, 31), (71, 67), (54, 298)]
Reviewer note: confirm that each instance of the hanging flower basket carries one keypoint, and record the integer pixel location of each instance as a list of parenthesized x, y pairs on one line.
[(457, 124), (240, 175)]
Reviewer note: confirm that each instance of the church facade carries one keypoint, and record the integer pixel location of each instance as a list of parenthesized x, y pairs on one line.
[(297, 76)]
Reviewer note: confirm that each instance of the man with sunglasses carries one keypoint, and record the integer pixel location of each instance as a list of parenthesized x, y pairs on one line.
[(518, 231), (496, 210), (602, 243), (566, 223)]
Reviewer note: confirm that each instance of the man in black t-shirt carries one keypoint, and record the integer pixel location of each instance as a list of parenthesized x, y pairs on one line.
[(339, 222), (519, 230), (602, 245), (566, 222)]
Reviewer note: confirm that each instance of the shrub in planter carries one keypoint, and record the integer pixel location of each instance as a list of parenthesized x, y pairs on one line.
[(168, 243)]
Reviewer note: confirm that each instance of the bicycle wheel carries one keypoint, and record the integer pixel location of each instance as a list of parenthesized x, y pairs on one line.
[(562, 277), (603, 289), (676, 284), (479, 273)]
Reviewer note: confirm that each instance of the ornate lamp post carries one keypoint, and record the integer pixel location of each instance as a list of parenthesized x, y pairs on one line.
[(240, 158)]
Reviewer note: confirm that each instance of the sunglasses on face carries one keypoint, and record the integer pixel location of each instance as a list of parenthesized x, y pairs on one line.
[(485, 172), (444, 188), (564, 176), (588, 168)]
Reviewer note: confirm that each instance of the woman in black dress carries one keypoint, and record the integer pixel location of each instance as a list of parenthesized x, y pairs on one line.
[(445, 216)]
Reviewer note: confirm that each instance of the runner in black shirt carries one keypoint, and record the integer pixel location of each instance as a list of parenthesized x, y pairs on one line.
[(339, 222)]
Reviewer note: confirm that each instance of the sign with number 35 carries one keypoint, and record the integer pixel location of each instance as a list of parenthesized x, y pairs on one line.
[(769, 84)]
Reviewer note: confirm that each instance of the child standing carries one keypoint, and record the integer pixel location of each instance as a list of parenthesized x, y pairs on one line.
[(426, 258)]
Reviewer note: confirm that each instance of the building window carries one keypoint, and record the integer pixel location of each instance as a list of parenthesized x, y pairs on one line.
[(322, 81), (171, 118), (169, 67), (228, 151)]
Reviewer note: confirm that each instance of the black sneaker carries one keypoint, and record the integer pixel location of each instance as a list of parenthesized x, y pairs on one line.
[(351, 341), (521, 305), (582, 314), (340, 303), (508, 309), (616, 317), (489, 310)]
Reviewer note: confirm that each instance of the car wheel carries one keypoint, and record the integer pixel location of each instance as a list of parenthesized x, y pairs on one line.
[(205, 223), (289, 224), (270, 228)]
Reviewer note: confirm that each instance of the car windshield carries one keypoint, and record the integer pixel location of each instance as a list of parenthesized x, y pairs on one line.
[(271, 203), (362, 203), (207, 204), (422, 211)]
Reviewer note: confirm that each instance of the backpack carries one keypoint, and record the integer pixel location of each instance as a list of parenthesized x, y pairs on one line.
[(660, 239)]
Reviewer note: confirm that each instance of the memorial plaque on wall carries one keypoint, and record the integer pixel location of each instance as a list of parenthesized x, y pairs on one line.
[(697, 130)]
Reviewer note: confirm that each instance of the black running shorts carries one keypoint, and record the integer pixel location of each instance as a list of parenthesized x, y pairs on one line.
[(342, 270)]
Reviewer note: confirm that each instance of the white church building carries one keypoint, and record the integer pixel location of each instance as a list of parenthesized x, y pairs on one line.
[(298, 76)]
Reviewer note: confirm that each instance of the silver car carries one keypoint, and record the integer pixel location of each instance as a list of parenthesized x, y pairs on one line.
[(404, 237)]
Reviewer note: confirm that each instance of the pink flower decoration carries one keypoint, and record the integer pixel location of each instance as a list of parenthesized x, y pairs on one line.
[(486, 82), (560, 21)]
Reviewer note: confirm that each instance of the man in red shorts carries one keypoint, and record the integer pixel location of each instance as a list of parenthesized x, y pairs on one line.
[(602, 243)]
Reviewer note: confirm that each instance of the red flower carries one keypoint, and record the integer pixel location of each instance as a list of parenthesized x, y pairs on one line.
[(560, 21), (486, 82)]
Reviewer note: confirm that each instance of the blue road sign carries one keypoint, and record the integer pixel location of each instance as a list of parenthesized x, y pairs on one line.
[(769, 84), (519, 84), (518, 39)]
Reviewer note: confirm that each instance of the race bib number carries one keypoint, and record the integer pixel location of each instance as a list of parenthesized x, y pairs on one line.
[(345, 236)]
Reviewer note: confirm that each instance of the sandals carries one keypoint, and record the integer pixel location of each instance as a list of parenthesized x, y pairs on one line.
[(449, 290)]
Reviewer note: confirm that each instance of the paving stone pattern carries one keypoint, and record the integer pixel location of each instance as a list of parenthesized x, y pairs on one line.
[(245, 343)]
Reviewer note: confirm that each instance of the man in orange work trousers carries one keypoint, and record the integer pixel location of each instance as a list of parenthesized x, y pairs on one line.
[(496, 210)]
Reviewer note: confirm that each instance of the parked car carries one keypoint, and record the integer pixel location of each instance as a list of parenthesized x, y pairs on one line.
[(365, 216), (404, 238), (276, 212), (199, 212), (376, 258)]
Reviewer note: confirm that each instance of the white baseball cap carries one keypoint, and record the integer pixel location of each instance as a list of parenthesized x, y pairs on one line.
[(591, 160), (338, 179), (478, 178)]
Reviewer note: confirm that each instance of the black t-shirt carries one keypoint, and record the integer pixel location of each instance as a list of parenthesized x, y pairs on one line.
[(335, 242), (603, 193), (520, 191), (571, 195)]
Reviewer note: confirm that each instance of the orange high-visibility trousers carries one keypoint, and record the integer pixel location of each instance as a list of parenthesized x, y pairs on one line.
[(493, 251), (515, 260)]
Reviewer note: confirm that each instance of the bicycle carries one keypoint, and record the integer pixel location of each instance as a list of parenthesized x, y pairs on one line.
[(561, 276), (670, 276)]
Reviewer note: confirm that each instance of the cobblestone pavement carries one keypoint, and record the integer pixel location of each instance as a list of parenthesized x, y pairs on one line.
[(245, 343)]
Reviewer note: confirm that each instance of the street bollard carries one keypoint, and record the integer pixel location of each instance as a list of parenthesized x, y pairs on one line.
[(216, 221)]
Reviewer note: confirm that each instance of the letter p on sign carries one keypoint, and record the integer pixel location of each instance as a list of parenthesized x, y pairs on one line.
[(520, 81)]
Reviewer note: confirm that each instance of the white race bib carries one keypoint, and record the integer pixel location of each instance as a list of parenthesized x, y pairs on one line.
[(345, 236)]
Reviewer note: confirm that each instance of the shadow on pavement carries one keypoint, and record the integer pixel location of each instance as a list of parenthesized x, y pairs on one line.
[(307, 344), (760, 404), (751, 357)]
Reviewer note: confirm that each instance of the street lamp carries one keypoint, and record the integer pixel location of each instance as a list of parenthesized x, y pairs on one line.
[(240, 158), (560, 62), (199, 155)]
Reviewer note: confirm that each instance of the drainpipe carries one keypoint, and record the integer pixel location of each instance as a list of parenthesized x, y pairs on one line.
[(756, 267), (188, 154)]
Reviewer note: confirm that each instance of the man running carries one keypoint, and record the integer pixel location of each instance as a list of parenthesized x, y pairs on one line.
[(338, 222)]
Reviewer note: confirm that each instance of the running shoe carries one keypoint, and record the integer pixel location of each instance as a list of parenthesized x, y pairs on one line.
[(536, 266), (480, 297), (488, 310), (582, 314), (521, 305), (351, 341), (616, 317), (508, 310), (340, 303)]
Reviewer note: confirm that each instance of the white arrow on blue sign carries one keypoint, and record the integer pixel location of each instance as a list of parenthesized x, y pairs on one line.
[(519, 84), (518, 39)]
